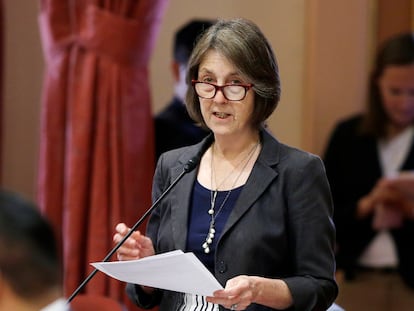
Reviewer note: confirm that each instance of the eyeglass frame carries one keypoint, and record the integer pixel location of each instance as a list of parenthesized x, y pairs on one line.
[(246, 86)]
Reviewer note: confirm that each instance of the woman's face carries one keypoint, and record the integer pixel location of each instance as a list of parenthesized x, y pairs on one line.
[(222, 116), (396, 86)]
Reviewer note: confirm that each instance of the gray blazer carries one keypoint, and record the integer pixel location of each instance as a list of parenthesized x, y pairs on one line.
[(280, 227)]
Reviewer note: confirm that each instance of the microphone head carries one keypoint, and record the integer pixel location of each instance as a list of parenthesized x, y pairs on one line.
[(194, 161), (191, 164)]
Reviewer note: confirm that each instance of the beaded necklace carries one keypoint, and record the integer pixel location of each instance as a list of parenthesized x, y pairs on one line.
[(213, 195)]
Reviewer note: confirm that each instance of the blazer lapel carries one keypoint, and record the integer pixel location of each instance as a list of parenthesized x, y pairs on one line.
[(262, 175), (180, 197), (180, 209)]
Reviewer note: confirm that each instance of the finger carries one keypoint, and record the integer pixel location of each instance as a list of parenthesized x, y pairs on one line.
[(122, 228), (130, 242), (127, 253), (144, 242), (117, 237)]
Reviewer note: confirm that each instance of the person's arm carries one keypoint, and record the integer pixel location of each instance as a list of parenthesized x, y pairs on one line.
[(142, 298), (312, 236), (311, 285)]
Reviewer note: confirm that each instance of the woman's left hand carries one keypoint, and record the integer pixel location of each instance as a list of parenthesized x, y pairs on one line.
[(241, 291), (238, 294)]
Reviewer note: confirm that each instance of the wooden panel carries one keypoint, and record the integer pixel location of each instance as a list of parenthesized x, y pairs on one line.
[(393, 17), (337, 53)]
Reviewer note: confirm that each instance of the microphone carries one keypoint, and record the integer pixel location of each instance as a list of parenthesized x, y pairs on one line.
[(188, 167), (191, 164)]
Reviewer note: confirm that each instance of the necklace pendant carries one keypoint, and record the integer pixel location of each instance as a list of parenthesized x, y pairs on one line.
[(206, 247)]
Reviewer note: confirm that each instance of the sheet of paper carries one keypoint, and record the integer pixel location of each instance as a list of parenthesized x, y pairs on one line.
[(175, 270), (404, 181)]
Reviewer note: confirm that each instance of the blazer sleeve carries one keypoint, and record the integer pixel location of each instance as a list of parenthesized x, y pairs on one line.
[(312, 235)]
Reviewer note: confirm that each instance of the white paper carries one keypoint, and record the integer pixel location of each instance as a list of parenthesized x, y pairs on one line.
[(175, 270)]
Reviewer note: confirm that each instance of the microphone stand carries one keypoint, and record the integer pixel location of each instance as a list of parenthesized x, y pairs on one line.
[(192, 163)]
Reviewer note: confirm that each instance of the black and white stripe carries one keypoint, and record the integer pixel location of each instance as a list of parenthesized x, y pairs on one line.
[(197, 303)]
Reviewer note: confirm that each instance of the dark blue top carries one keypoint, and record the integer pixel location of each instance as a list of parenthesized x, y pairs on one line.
[(199, 221)]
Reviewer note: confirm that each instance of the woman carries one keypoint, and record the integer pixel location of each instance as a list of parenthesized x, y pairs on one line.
[(374, 218), (257, 213)]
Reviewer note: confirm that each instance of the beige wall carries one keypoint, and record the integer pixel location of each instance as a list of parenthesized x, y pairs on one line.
[(22, 82), (339, 46), (321, 46)]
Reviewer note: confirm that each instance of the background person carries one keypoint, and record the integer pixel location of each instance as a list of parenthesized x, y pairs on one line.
[(256, 212), (30, 271), (173, 126), (364, 156)]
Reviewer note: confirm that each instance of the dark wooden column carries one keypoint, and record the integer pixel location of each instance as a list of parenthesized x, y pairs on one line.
[(393, 17), (1, 85)]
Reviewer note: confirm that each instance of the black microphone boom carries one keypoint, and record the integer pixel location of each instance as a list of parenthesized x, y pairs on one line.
[(188, 167)]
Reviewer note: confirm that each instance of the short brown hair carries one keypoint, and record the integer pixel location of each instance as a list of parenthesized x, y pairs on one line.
[(244, 45)]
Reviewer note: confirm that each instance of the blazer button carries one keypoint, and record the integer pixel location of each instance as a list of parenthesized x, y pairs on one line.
[(222, 267)]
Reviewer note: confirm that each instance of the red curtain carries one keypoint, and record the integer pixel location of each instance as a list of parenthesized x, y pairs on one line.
[(96, 152), (1, 83)]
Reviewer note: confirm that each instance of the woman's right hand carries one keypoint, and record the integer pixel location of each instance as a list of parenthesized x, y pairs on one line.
[(135, 247)]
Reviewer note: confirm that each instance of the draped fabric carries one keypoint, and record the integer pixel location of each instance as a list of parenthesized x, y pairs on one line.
[(1, 81), (96, 149)]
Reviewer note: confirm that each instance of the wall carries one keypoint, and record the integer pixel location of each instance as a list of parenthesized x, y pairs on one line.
[(339, 47), (23, 67)]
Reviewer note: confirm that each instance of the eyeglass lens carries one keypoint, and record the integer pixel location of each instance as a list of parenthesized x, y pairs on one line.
[(230, 92)]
